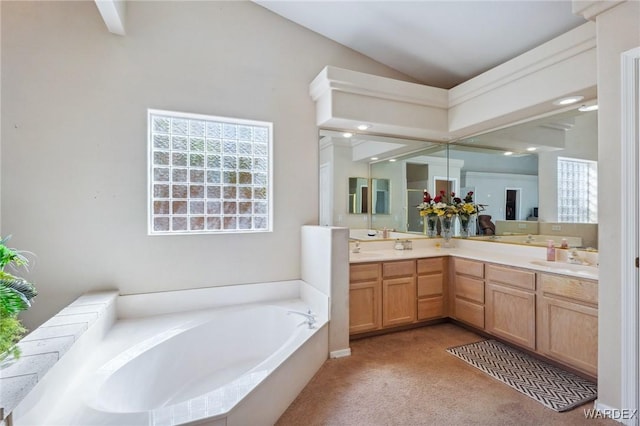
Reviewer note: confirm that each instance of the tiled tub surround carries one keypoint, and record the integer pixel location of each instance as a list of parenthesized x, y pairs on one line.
[(74, 329), (506, 254), (149, 340)]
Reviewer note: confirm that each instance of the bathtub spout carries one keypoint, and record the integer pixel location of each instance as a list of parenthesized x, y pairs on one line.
[(311, 318)]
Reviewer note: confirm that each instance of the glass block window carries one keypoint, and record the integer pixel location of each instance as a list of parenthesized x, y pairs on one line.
[(577, 190), (208, 174)]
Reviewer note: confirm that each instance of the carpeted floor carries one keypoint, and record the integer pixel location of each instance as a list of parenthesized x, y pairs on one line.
[(408, 378)]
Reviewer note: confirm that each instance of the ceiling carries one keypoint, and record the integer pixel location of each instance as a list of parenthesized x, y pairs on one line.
[(438, 43)]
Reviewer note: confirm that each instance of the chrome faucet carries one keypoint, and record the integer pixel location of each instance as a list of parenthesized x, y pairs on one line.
[(311, 318), (574, 258)]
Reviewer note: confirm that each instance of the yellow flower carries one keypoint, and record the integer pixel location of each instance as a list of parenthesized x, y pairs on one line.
[(468, 208)]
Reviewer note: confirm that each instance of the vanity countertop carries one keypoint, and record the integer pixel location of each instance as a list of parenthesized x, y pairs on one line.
[(488, 253)]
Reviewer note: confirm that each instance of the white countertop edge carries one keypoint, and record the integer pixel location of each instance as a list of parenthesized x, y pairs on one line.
[(514, 260)]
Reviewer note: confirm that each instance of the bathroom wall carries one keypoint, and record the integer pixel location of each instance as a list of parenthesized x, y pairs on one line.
[(580, 142), (74, 161)]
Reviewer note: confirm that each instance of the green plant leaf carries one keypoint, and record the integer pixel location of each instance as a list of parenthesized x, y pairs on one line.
[(11, 302), (20, 285)]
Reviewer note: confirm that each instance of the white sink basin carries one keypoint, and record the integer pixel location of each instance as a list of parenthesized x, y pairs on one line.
[(568, 268)]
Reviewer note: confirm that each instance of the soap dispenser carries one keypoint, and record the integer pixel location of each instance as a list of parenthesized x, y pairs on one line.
[(551, 251)]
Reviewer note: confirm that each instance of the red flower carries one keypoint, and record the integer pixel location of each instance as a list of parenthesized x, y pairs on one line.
[(427, 197), (438, 198)]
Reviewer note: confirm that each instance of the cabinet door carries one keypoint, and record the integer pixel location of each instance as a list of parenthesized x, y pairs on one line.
[(430, 308), (365, 306), (430, 296), (399, 301), (568, 332), (469, 312), (510, 314)]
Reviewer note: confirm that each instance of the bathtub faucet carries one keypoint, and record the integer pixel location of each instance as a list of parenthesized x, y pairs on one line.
[(311, 318)]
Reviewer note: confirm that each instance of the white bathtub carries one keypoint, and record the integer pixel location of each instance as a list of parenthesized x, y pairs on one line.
[(240, 364)]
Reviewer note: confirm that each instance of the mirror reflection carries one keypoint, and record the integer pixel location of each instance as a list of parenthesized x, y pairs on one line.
[(358, 195), (534, 181)]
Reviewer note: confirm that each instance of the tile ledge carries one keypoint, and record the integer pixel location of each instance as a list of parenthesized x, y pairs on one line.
[(102, 300)]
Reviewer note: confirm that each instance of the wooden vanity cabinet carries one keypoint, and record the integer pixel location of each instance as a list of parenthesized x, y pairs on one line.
[(365, 297), (510, 304), (567, 327), (468, 293), (431, 279), (398, 293)]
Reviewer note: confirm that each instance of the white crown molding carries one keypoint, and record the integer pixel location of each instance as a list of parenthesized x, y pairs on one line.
[(506, 93), (589, 9), (575, 42), (348, 81)]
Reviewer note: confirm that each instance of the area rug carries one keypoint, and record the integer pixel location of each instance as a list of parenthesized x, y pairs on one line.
[(551, 386)]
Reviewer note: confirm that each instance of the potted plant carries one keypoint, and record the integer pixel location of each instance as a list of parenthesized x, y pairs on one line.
[(16, 294)]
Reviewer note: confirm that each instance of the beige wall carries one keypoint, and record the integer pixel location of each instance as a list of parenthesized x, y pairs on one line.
[(618, 31), (74, 171)]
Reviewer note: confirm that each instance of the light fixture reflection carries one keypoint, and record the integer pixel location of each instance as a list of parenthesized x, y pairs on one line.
[(347, 134), (568, 100), (587, 108), (508, 153)]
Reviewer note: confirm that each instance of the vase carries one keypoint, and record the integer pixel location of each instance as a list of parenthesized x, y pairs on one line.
[(431, 226), (446, 227), (465, 225)]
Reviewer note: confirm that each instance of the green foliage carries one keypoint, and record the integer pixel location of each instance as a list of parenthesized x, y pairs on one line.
[(16, 294), (26, 290), (11, 302), (8, 255), (10, 333)]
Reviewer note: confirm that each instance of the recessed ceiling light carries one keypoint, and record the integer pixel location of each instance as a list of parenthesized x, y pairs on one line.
[(392, 160), (364, 126), (531, 148), (374, 158), (568, 100), (508, 153), (347, 134), (587, 108)]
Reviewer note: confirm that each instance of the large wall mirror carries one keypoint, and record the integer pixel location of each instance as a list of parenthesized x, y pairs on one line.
[(536, 180)]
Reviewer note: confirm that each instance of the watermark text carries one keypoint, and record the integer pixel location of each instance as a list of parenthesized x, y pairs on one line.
[(615, 414)]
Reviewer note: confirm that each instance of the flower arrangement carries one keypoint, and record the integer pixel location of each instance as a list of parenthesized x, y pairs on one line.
[(467, 207), (440, 205)]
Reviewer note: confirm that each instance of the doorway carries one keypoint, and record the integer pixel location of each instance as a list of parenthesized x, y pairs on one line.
[(512, 203)]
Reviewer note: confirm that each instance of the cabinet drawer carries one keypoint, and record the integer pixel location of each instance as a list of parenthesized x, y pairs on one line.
[(429, 285), (470, 288), (432, 265), (398, 269), (364, 271), (470, 313), (469, 267), (573, 288), (511, 276), (430, 308)]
